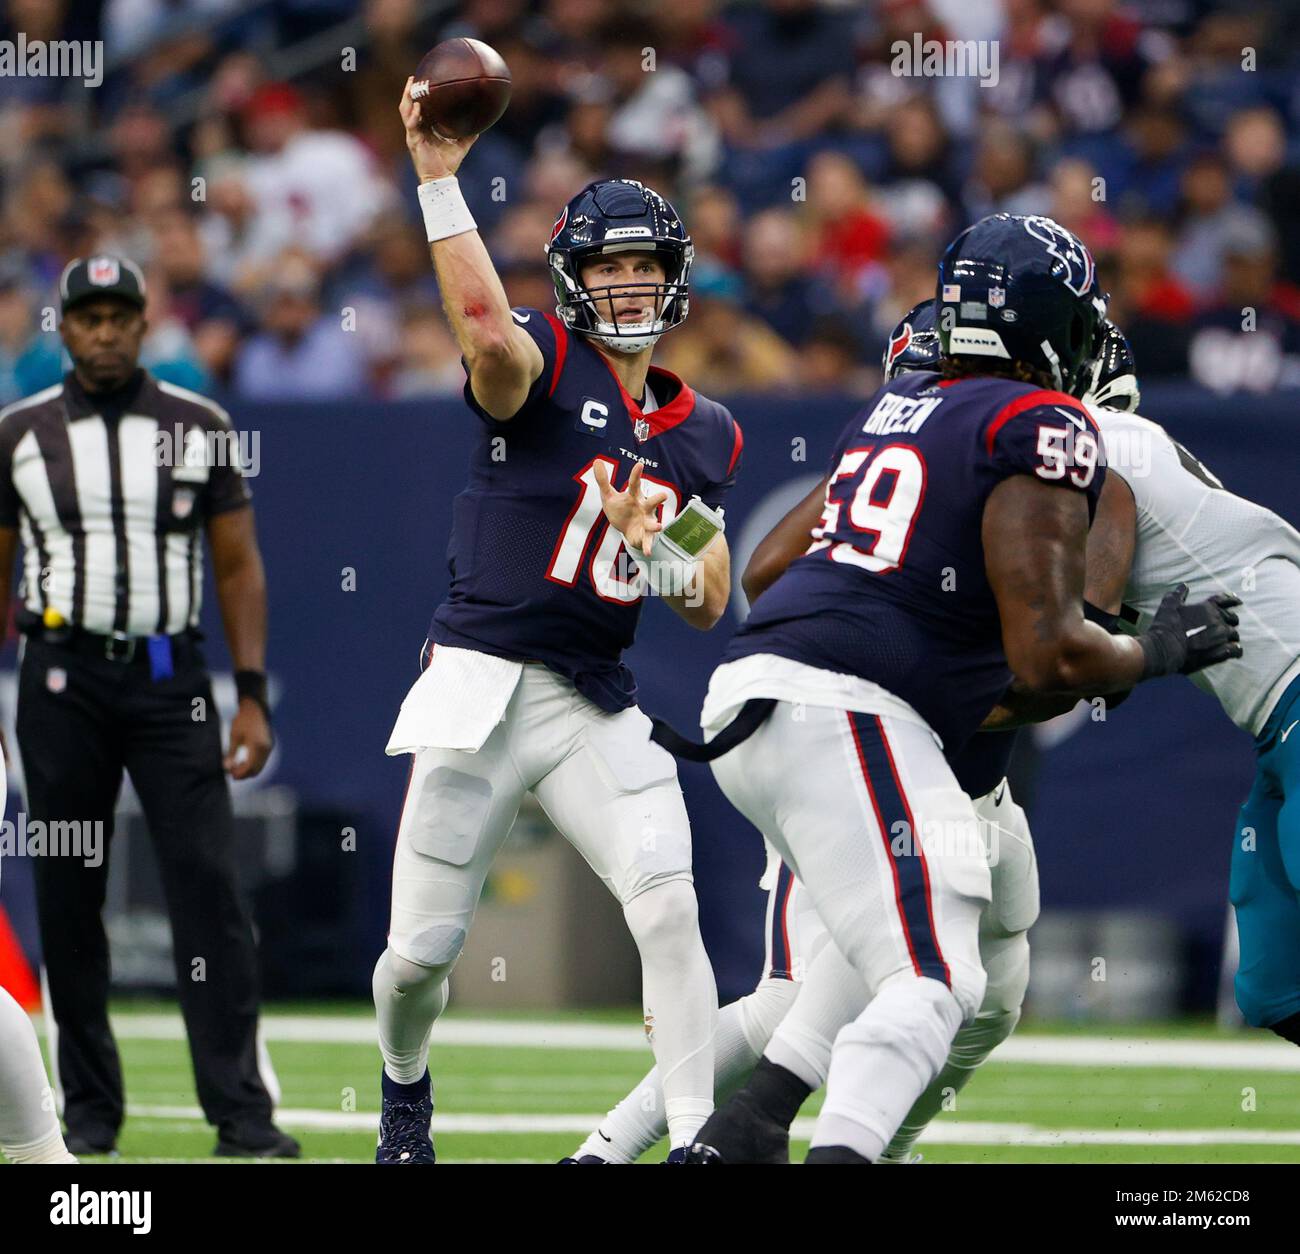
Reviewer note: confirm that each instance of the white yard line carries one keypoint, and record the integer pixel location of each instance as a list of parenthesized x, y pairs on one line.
[(942, 1133), (1259, 1054)]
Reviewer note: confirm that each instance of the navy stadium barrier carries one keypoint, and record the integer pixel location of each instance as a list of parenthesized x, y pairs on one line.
[(353, 508)]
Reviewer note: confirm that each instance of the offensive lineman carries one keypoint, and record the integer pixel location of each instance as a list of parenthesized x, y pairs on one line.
[(949, 556), (793, 933), (523, 688)]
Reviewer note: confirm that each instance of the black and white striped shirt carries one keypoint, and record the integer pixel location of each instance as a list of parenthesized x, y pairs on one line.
[(111, 495)]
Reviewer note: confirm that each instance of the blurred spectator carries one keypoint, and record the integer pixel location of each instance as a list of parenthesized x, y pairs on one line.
[(1002, 180), (429, 361), (654, 112), (1078, 204), (778, 286), (1209, 213), (302, 353), (29, 360), (1150, 302), (830, 360), (168, 348), (1256, 148), (788, 73), (316, 189), (721, 349), (919, 186), (1096, 69), (847, 234), (240, 243), (714, 219), (213, 318), (1146, 167), (1249, 339)]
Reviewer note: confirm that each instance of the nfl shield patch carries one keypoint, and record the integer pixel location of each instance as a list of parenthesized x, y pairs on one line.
[(182, 502), (103, 271), (641, 430), (997, 297), (56, 679)]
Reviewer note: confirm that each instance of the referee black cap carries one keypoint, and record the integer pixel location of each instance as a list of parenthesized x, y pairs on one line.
[(89, 277)]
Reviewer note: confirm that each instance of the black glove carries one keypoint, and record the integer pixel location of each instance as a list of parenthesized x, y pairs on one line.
[(1184, 638)]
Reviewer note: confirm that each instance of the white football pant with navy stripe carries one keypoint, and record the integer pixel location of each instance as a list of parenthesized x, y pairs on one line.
[(865, 811)]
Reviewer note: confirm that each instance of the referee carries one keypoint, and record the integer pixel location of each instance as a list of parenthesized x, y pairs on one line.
[(113, 476)]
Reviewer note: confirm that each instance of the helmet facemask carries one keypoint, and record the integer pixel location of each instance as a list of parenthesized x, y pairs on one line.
[(592, 314)]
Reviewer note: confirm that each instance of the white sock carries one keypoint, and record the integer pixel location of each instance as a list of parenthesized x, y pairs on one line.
[(883, 1060), (681, 1002), (29, 1126), (744, 1025), (831, 996), (408, 998)]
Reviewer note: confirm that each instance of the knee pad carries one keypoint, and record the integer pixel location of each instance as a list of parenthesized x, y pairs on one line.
[(1288, 1029), (400, 975), (663, 914), (914, 1018), (976, 1041), (762, 1010), (1006, 964)]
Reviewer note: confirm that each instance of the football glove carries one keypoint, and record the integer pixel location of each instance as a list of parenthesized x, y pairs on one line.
[(1184, 639)]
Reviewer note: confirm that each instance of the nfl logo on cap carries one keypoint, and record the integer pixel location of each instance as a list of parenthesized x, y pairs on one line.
[(997, 297), (103, 271)]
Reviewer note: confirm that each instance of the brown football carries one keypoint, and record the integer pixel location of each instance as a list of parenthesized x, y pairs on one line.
[(462, 87)]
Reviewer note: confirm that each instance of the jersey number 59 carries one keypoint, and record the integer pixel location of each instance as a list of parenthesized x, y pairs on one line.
[(876, 499)]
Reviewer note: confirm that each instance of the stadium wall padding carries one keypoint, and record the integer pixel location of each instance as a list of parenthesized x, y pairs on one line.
[(353, 508)]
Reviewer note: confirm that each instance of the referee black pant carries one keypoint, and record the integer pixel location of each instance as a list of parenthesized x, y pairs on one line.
[(81, 719)]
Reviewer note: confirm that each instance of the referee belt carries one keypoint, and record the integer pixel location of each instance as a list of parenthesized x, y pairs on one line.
[(115, 647)]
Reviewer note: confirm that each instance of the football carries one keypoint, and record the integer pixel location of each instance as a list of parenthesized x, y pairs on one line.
[(462, 87)]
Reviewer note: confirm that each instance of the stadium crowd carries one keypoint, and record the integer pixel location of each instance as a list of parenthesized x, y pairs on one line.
[(250, 157)]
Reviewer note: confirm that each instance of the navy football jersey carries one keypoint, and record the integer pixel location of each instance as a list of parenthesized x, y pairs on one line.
[(893, 586), (536, 572)]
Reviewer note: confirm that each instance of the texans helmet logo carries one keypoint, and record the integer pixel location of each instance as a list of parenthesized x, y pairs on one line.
[(559, 223), (1073, 255), (898, 345)]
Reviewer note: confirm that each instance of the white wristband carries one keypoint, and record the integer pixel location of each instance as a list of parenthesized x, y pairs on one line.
[(445, 211)]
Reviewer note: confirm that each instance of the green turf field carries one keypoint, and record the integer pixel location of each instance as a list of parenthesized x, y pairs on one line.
[(526, 1089)]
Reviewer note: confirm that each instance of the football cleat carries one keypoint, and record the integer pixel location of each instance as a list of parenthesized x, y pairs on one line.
[(266, 1141), (584, 1160), (404, 1137), (677, 1157), (740, 1132)]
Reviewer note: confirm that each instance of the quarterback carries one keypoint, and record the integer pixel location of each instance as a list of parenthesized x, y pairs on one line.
[(596, 479)]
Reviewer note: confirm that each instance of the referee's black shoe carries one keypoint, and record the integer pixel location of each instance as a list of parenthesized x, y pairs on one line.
[(88, 1144), (262, 1141)]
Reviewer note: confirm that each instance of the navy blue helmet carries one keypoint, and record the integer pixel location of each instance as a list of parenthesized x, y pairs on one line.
[(619, 215), (1114, 376), (913, 343), (1020, 288)]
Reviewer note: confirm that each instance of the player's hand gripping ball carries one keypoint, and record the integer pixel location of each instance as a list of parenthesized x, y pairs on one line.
[(462, 87)]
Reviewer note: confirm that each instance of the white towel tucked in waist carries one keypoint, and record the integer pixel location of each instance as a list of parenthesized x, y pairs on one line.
[(457, 701)]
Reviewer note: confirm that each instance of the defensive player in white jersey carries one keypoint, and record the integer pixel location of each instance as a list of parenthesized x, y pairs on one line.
[(794, 934), (1165, 520), (29, 1125)]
